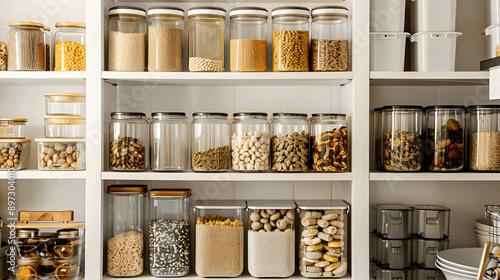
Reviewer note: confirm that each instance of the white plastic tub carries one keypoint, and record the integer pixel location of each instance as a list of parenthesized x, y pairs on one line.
[(434, 51), (493, 15), (492, 34), (387, 51), (433, 15), (387, 15)]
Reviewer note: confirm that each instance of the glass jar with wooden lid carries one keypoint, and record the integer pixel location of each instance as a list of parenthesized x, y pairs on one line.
[(26, 46), (70, 46)]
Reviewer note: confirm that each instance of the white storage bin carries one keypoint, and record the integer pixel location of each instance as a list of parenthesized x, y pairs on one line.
[(387, 15), (493, 15), (492, 34), (387, 51), (434, 51), (433, 15)]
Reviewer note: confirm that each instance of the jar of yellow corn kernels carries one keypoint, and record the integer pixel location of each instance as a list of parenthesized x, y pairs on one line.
[(70, 47)]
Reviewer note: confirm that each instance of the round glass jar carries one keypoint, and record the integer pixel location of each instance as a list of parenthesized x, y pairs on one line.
[(250, 142), (210, 142), (483, 137), (329, 143), (289, 142), (70, 47), (3, 49), (48, 49), (248, 44), (26, 46), (378, 135), (169, 142)]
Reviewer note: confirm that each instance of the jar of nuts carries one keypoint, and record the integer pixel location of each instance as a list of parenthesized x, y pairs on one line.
[(483, 132), (61, 153), (70, 47), (329, 143), (250, 142), (14, 153), (289, 142)]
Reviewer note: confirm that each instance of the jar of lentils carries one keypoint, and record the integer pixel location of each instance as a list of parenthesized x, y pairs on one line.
[(26, 46), (250, 142), (329, 143), (289, 142), (210, 144), (70, 48)]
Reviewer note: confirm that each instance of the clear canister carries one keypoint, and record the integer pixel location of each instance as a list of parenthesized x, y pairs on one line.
[(377, 135), (125, 232), (48, 49), (329, 143), (206, 39), (165, 39), (290, 39), (13, 128), (210, 142), (483, 137), (248, 44), (128, 141), (26, 46), (220, 238), (250, 142), (127, 39), (70, 47), (15, 154), (3, 49), (169, 232), (289, 142), (169, 141), (402, 140), (445, 139)]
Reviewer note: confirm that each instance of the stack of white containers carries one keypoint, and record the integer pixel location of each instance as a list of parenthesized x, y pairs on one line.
[(492, 32)]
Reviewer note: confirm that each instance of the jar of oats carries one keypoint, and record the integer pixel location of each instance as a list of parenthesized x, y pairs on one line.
[(483, 125), (26, 46), (70, 46)]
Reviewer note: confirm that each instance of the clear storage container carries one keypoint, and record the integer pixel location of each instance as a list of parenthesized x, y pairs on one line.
[(3, 49), (165, 39), (169, 232), (378, 136), (48, 50), (290, 39), (64, 126), (425, 251), (125, 230), (289, 142), (271, 238), (431, 221), (402, 141), (61, 153), (72, 104), (248, 44), (26, 46), (250, 142), (169, 142), (70, 46), (323, 238), (127, 39), (210, 142), (394, 221), (330, 34), (483, 137), (13, 128), (14, 153), (329, 143), (431, 274), (206, 39), (128, 141), (220, 238), (394, 253), (393, 274)]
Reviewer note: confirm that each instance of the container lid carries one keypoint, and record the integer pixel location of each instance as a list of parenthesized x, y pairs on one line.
[(290, 10), (46, 28), (166, 11), (431, 208), (127, 10), (26, 23), (402, 107), (435, 34), (328, 116), (481, 107), (201, 115), (127, 189), (15, 141), (61, 140), (289, 115), (204, 10), (439, 107), (13, 120), (121, 115), (27, 232), (66, 97), (391, 34), (220, 204), (271, 204), (378, 109), (158, 115), (322, 204), (257, 11), (65, 120), (170, 192), (67, 233), (329, 10), (390, 207), (71, 24), (252, 115)]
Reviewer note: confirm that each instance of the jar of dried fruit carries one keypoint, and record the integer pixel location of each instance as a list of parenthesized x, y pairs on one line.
[(329, 143), (483, 132), (289, 142), (250, 142), (70, 47)]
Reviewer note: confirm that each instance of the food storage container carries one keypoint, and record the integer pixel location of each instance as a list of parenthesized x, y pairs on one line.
[(165, 39), (13, 128), (483, 142), (394, 221), (387, 15), (330, 35), (434, 51), (329, 143), (125, 231), (3, 49), (3, 260), (70, 46), (210, 142), (402, 140), (127, 39), (18, 151), (289, 130), (206, 39), (48, 50), (427, 274), (290, 39), (431, 221), (250, 142), (373, 247), (72, 104), (492, 34), (169, 141), (394, 253), (373, 218), (61, 153), (1, 231), (387, 51), (271, 238), (220, 238), (430, 15), (26, 46), (64, 126), (425, 251), (128, 141), (393, 274), (378, 136), (248, 41), (169, 232), (328, 244)]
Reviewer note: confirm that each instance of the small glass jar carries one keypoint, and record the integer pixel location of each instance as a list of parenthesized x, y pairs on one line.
[(64, 126), (445, 138), (290, 39), (127, 39), (165, 39), (330, 39), (206, 39), (128, 142), (378, 135), (248, 44), (72, 104), (3, 49), (289, 142), (169, 232), (210, 148), (48, 50), (13, 128), (26, 46), (329, 143), (18, 151), (125, 232), (250, 142), (61, 153), (70, 47), (483, 137), (169, 142)]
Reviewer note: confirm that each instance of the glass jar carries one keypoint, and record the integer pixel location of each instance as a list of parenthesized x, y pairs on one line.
[(48, 51), (445, 139), (483, 140), (127, 39), (330, 39), (402, 141), (289, 142), (165, 39), (3, 49), (250, 142), (125, 232), (128, 142), (331, 217), (220, 238), (210, 148), (169, 232), (13, 128), (169, 142), (329, 143), (206, 39), (271, 238), (248, 44), (70, 47), (377, 132), (18, 156), (290, 39), (26, 46)]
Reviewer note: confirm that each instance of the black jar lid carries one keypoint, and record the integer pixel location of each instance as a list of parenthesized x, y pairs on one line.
[(199, 115), (402, 107), (300, 115), (378, 109), (479, 107), (127, 115), (157, 115)]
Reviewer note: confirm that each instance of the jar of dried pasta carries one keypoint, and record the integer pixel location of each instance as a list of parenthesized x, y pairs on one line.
[(26, 46), (70, 48)]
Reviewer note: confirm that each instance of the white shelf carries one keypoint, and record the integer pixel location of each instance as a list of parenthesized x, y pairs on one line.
[(193, 276), (44, 174), (433, 176), (428, 78), (39, 78)]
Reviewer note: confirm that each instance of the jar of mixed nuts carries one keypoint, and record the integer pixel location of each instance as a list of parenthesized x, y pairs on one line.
[(377, 132), (48, 49), (3, 49), (483, 125), (169, 141), (210, 144), (289, 142), (70, 46), (26, 46), (128, 142), (250, 142), (329, 143)]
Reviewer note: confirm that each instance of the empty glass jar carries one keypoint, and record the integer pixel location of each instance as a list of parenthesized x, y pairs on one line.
[(26, 46), (210, 142), (289, 142), (250, 142), (484, 137), (329, 143), (70, 46), (169, 142)]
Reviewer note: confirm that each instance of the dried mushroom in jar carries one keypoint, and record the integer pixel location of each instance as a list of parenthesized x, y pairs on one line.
[(330, 151), (402, 151), (446, 147), (127, 153)]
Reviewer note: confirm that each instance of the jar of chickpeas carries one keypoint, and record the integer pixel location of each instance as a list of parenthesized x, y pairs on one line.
[(70, 47)]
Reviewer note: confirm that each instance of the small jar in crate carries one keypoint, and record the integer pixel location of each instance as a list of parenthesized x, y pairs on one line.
[(289, 142), (329, 143)]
